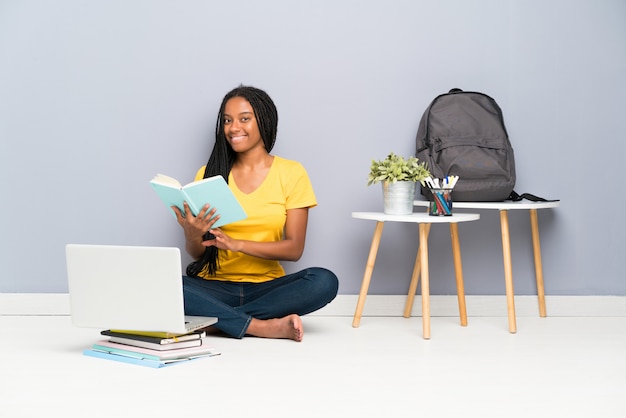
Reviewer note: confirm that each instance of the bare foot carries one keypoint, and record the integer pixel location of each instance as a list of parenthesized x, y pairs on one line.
[(289, 326)]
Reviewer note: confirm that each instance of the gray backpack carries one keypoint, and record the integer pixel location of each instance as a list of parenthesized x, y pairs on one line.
[(462, 133)]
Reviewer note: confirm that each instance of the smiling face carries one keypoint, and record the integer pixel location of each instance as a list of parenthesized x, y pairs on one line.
[(240, 125)]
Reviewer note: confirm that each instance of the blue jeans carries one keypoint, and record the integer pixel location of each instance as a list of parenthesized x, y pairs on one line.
[(234, 304)]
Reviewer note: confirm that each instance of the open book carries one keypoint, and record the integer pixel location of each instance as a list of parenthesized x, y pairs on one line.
[(213, 190)]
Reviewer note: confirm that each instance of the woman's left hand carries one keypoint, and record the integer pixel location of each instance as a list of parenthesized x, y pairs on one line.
[(222, 241)]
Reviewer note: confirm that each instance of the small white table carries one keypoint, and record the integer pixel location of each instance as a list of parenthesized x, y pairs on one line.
[(504, 208), (421, 261)]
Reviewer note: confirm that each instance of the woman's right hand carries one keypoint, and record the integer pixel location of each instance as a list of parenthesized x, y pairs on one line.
[(195, 227)]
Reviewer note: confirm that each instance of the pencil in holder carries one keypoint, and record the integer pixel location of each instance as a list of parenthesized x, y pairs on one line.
[(440, 202)]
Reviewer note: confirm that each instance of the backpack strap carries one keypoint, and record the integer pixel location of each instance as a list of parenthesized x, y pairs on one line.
[(516, 197)]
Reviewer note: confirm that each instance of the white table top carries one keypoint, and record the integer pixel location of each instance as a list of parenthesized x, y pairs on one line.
[(506, 205), (416, 217)]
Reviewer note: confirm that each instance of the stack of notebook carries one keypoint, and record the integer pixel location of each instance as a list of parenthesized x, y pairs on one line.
[(151, 349)]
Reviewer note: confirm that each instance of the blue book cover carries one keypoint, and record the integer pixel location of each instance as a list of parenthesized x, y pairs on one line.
[(213, 190), (135, 360)]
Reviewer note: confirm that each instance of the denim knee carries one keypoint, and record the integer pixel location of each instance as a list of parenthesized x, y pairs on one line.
[(326, 281)]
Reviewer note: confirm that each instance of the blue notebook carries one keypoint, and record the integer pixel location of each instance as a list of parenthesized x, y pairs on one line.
[(213, 190), (157, 364)]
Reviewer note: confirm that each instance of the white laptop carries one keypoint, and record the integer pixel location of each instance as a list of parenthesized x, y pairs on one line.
[(128, 288)]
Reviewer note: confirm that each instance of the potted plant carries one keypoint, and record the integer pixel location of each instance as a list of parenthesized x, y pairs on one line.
[(399, 177)]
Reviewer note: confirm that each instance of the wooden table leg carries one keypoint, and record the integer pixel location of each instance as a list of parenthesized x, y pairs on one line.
[(367, 276), (425, 281), (458, 270), (415, 278), (534, 224), (508, 269)]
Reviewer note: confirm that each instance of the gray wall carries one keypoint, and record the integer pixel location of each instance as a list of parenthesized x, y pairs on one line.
[(96, 97)]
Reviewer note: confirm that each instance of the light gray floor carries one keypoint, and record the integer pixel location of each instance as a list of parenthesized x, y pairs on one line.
[(552, 367)]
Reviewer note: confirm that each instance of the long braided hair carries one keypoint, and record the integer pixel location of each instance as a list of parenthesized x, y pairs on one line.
[(223, 157)]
